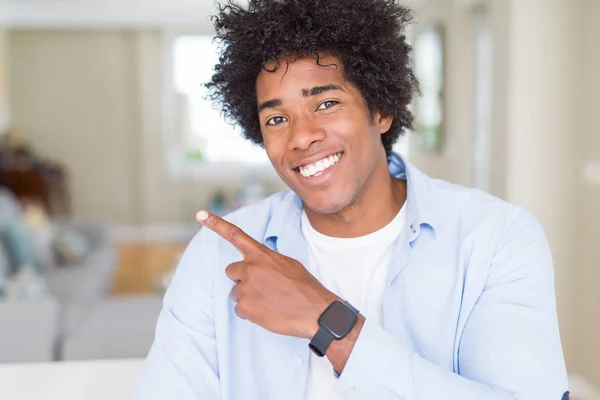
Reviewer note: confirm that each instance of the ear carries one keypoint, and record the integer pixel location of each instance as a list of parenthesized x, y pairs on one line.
[(384, 122)]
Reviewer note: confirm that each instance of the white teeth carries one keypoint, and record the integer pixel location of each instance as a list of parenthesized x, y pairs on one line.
[(319, 166)]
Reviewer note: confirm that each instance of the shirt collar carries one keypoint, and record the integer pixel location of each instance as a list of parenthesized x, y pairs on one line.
[(287, 215), (420, 203)]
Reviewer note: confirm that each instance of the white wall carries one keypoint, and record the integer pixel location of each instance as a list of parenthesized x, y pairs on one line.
[(453, 162), (540, 124), (74, 95), (4, 80), (586, 221), (93, 100)]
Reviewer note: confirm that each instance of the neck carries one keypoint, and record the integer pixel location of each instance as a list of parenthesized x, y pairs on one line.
[(375, 206)]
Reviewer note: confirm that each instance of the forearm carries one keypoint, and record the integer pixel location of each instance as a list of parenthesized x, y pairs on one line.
[(375, 365), (339, 351), (371, 363)]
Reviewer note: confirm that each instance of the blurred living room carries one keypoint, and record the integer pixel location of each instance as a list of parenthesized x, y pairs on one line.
[(109, 147)]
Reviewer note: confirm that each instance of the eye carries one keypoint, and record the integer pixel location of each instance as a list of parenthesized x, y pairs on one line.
[(276, 121), (327, 104)]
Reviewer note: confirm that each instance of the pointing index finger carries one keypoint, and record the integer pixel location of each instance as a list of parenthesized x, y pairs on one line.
[(228, 231)]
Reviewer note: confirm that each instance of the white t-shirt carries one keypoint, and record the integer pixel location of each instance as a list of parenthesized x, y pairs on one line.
[(356, 270)]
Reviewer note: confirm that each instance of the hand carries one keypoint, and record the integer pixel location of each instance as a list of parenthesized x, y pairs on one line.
[(272, 290)]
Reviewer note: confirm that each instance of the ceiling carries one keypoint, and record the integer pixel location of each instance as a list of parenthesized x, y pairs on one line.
[(101, 13)]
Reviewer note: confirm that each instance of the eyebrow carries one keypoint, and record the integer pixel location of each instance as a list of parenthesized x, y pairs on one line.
[(315, 91), (269, 104)]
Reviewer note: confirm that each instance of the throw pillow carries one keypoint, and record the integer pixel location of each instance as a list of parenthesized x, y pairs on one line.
[(70, 246), (19, 246), (42, 233)]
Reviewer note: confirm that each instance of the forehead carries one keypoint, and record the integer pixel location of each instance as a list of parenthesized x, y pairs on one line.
[(299, 74)]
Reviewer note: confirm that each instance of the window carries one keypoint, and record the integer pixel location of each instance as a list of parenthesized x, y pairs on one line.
[(202, 132), (200, 142)]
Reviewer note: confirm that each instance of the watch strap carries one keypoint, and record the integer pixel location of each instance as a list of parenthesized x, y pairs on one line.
[(351, 307), (321, 341)]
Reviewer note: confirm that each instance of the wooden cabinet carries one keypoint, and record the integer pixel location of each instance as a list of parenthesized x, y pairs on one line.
[(142, 264)]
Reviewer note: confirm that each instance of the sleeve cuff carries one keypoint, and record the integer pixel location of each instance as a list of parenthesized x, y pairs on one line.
[(375, 354)]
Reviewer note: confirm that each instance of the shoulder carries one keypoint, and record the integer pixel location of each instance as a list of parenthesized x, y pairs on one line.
[(489, 228), (500, 240), (475, 211), (475, 220)]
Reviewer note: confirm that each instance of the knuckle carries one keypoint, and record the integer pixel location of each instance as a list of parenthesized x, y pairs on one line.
[(264, 252), (212, 221), (239, 289), (235, 294), (240, 310), (235, 232)]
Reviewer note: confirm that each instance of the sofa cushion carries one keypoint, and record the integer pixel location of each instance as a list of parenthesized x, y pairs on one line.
[(78, 283), (118, 327), (29, 330)]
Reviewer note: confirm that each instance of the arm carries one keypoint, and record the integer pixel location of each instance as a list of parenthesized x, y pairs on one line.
[(182, 363), (510, 348)]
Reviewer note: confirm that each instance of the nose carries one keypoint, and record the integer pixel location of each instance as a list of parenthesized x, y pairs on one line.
[(305, 133)]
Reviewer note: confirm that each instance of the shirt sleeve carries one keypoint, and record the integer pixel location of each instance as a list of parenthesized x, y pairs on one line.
[(510, 347), (182, 363)]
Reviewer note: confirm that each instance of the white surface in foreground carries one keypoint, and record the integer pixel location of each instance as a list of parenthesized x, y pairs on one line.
[(86, 380), (115, 380)]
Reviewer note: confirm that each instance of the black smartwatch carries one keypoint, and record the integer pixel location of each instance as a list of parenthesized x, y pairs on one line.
[(336, 322)]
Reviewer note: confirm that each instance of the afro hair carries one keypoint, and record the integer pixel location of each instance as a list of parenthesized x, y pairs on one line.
[(368, 36)]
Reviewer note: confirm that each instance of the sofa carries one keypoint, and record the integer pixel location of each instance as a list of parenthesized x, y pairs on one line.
[(29, 330), (33, 328), (117, 327), (88, 279)]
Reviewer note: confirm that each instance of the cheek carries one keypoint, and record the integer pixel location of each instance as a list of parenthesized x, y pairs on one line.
[(275, 150)]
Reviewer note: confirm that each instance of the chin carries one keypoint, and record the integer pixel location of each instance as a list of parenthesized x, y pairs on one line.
[(327, 204)]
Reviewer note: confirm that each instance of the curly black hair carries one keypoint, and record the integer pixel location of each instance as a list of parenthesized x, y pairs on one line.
[(366, 35)]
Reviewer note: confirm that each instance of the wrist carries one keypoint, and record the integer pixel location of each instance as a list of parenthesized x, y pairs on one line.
[(335, 323)]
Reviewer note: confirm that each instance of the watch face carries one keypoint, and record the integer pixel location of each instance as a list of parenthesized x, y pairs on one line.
[(338, 319)]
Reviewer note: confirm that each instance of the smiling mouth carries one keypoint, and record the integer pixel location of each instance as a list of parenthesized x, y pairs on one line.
[(318, 168)]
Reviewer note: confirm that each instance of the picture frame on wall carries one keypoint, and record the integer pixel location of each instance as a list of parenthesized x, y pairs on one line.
[(429, 67)]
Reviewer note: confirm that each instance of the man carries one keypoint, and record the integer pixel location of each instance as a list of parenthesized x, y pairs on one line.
[(367, 279)]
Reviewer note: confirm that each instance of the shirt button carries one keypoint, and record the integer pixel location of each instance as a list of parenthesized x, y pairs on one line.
[(298, 362)]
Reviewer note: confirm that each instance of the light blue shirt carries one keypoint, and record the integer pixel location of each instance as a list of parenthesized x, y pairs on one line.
[(468, 313)]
